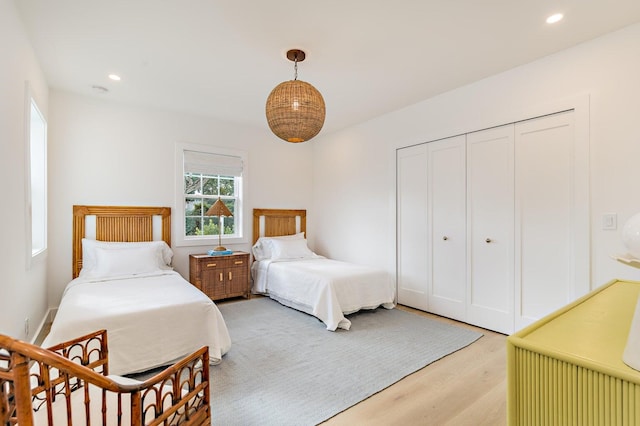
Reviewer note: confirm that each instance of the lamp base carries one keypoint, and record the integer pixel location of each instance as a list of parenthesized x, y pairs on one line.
[(220, 248), (219, 253)]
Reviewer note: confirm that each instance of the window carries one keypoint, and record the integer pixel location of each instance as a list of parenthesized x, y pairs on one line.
[(36, 171), (204, 175)]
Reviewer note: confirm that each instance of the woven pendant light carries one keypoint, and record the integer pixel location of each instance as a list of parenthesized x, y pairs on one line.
[(295, 109)]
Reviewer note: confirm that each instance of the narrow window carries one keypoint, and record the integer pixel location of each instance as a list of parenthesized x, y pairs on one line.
[(36, 187)]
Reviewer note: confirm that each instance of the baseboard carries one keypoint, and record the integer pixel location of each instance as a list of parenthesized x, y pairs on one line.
[(43, 327)]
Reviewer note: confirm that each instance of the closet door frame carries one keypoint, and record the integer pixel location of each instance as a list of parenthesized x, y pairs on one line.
[(516, 111)]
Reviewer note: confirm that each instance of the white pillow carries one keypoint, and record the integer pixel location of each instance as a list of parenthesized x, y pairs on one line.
[(262, 248), (290, 249), (160, 249), (130, 260)]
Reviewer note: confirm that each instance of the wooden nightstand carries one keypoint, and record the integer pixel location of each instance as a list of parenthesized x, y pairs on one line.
[(220, 277)]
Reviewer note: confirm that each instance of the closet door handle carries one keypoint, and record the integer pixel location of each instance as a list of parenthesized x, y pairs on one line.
[(445, 238), (488, 240)]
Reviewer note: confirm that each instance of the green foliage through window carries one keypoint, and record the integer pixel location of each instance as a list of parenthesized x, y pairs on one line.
[(200, 192)]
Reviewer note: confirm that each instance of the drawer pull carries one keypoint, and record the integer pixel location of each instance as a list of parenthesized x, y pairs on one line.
[(210, 265), (238, 262), (221, 276), (230, 276)]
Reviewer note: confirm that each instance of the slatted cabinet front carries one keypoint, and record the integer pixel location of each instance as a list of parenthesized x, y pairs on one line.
[(220, 277)]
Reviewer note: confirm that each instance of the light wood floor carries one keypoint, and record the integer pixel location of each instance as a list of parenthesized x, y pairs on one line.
[(467, 387)]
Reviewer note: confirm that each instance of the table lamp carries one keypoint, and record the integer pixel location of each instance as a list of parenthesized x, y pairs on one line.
[(219, 209)]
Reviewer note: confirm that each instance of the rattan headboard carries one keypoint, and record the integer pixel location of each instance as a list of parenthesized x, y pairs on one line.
[(117, 223), (277, 222)]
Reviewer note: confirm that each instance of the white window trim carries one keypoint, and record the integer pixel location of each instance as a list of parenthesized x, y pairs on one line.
[(178, 221), (40, 255)]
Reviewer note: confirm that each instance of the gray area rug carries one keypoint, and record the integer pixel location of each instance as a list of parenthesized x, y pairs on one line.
[(285, 368)]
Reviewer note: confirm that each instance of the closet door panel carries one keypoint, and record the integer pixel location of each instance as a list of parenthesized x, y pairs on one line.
[(490, 198), (447, 214), (412, 230), (547, 251)]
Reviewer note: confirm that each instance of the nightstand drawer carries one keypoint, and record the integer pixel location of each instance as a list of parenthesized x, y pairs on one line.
[(213, 263)]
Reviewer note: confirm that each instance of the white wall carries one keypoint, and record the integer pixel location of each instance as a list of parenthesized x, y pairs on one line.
[(22, 290), (354, 195), (106, 153)]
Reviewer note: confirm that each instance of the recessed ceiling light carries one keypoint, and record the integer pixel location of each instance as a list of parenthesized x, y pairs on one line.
[(114, 77), (556, 17)]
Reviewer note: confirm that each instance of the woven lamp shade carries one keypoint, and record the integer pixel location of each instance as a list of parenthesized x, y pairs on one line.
[(295, 111), (218, 209)]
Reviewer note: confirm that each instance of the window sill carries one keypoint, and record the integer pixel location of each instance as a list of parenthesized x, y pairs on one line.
[(193, 242)]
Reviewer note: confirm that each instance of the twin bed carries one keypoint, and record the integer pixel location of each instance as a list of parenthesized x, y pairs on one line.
[(287, 271), (153, 316), (123, 282)]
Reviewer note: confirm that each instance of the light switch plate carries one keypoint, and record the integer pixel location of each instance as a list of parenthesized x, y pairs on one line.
[(609, 221)]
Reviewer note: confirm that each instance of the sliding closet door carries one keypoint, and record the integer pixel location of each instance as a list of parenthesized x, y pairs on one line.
[(447, 220), (490, 221), (552, 246), (412, 235)]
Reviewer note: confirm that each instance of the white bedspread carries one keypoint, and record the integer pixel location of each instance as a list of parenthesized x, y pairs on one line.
[(325, 288), (151, 320)]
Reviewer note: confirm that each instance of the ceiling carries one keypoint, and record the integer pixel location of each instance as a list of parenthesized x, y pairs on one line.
[(221, 58)]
